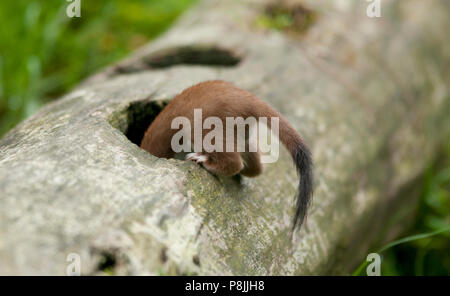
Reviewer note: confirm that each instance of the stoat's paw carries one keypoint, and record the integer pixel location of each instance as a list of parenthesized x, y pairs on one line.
[(197, 157)]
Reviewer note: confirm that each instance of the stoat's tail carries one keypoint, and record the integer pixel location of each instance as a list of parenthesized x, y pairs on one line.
[(302, 158), (303, 163)]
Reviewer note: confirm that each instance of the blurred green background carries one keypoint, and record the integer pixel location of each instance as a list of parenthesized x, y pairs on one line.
[(43, 53), (430, 255), (424, 249)]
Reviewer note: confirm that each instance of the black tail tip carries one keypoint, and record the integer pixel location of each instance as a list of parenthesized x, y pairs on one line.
[(304, 165)]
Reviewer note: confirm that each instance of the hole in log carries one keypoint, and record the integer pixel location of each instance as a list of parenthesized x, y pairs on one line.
[(208, 56), (139, 117), (186, 55), (289, 17), (163, 255), (107, 262), (196, 260)]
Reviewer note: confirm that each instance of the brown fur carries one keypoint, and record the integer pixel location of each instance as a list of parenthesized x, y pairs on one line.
[(223, 99)]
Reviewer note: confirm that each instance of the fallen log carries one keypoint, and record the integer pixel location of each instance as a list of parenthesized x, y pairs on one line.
[(370, 95)]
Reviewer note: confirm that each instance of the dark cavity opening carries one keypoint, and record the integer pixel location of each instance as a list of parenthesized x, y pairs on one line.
[(186, 55), (196, 260), (209, 56), (107, 261), (139, 117), (163, 255)]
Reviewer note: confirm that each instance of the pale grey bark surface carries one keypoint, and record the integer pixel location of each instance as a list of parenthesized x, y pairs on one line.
[(370, 96)]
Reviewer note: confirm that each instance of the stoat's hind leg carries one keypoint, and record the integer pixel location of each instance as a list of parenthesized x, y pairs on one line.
[(252, 164), (219, 163)]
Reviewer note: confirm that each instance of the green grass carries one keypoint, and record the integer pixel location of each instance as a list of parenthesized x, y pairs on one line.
[(426, 248), (390, 266), (43, 53)]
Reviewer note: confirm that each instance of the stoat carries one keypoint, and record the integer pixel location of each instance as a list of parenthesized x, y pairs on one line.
[(222, 99)]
